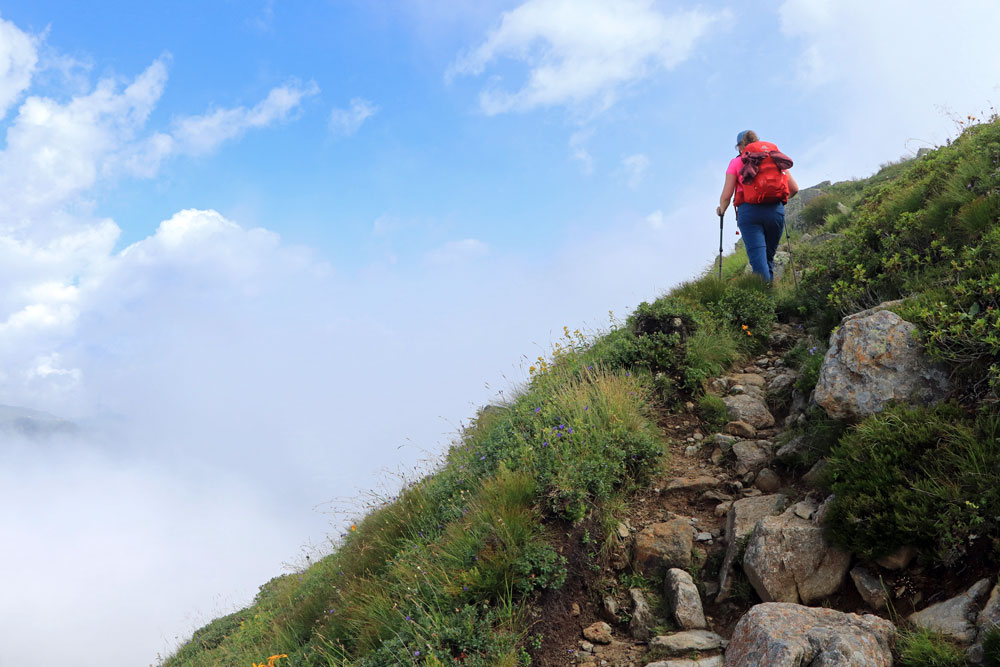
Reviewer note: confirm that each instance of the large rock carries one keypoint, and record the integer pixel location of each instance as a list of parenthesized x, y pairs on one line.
[(788, 635), (740, 520), (661, 546), (870, 587), (954, 618), (599, 633), (749, 409), (684, 600), (788, 560), (875, 359)]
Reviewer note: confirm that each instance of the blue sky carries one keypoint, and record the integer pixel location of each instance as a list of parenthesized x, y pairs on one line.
[(272, 255)]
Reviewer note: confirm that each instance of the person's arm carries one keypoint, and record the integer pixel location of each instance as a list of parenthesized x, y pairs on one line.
[(727, 194), (793, 187)]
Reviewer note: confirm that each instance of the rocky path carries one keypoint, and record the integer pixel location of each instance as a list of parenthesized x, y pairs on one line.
[(733, 530)]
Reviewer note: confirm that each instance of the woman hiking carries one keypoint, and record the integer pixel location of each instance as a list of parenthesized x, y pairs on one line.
[(761, 186)]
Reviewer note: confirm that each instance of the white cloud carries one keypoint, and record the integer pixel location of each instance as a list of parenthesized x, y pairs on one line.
[(635, 167), (456, 252), (345, 122), (582, 51), (197, 135), (18, 59)]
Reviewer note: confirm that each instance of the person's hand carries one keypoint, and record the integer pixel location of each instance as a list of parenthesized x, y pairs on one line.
[(719, 211)]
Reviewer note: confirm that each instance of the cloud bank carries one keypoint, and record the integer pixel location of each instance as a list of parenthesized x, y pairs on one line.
[(582, 51)]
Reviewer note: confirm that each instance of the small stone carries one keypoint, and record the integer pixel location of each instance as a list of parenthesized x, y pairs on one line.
[(642, 616), (689, 484), (805, 509), (692, 451), (749, 477), (609, 608), (870, 587), (768, 481), (898, 559), (714, 495), (586, 647), (703, 537), (752, 493), (684, 643), (717, 456), (622, 530), (741, 429), (698, 436), (722, 509), (737, 389), (575, 609), (684, 600), (814, 477), (725, 442), (599, 633), (689, 407)]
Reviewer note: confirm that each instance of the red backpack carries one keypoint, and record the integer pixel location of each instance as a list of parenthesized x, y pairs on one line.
[(763, 174)]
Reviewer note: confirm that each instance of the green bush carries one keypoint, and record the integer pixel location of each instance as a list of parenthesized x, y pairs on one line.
[(923, 648), (816, 211), (920, 476), (748, 309), (712, 411)]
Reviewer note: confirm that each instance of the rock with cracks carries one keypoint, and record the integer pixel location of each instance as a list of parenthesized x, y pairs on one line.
[(684, 600), (954, 618), (642, 616), (683, 643), (788, 560), (749, 409), (741, 518), (661, 546), (788, 635), (873, 360)]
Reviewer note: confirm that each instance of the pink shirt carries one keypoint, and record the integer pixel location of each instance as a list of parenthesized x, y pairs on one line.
[(734, 168)]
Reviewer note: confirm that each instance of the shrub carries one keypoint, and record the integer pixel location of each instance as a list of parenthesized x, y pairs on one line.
[(712, 411), (923, 648), (920, 476), (816, 211), (747, 308)]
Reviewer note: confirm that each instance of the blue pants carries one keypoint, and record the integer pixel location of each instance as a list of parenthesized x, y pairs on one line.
[(761, 226)]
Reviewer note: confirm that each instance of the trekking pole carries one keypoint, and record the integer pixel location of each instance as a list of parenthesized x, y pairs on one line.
[(720, 246), (791, 260)]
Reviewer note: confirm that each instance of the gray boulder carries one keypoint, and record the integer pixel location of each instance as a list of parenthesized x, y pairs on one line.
[(684, 601), (873, 360), (740, 520), (954, 618), (711, 661), (684, 643), (749, 409), (788, 635), (642, 616), (788, 560)]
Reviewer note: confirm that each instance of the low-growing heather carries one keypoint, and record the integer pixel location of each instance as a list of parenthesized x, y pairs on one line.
[(916, 476)]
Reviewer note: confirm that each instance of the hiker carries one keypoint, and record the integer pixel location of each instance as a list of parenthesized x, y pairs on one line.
[(761, 224)]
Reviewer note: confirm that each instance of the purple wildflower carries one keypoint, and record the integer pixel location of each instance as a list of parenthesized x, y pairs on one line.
[(545, 444)]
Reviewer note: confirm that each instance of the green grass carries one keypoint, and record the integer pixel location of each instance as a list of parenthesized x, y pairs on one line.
[(923, 648)]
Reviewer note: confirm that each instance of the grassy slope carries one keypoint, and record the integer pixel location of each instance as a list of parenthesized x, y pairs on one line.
[(448, 570)]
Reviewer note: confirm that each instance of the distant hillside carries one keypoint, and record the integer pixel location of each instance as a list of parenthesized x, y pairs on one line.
[(33, 423), (565, 525)]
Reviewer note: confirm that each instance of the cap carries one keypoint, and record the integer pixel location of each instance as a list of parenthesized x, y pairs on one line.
[(739, 137)]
